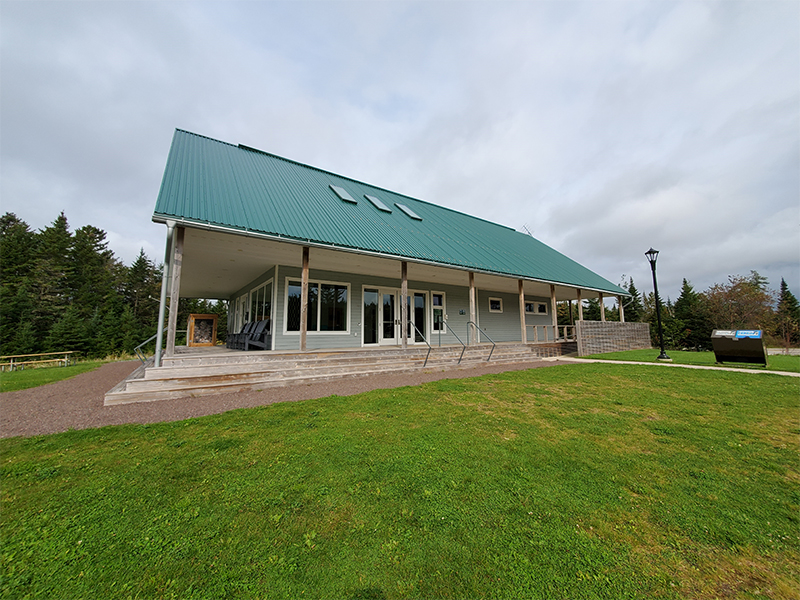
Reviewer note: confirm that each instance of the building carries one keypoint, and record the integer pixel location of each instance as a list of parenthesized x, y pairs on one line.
[(273, 236)]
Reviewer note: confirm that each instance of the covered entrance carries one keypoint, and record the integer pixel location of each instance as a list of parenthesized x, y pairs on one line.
[(382, 318)]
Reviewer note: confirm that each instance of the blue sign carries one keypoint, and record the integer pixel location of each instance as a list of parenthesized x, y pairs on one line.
[(749, 333)]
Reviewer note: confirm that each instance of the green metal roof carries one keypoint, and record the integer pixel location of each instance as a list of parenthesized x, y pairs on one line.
[(211, 182)]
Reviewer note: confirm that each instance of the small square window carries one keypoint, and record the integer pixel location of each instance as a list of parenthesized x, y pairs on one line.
[(496, 305), (535, 308)]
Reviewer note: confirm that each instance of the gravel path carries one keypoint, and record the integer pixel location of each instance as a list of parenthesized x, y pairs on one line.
[(77, 403)]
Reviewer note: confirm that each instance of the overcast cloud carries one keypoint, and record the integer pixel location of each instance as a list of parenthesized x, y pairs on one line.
[(603, 127)]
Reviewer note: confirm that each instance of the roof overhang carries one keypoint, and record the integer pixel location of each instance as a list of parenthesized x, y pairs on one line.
[(218, 261)]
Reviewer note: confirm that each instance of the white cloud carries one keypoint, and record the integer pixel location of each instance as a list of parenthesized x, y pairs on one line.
[(605, 127)]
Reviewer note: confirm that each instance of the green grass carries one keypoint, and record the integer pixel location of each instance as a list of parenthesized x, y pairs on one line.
[(775, 362), (12, 381), (581, 481)]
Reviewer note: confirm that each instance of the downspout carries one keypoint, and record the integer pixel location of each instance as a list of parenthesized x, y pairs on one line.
[(162, 305)]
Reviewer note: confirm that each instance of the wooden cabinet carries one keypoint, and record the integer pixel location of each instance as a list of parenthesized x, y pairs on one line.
[(202, 330)]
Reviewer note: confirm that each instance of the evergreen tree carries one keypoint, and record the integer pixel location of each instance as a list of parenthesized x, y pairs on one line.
[(17, 251), (49, 280), (633, 306), (692, 327), (591, 310), (787, 317)]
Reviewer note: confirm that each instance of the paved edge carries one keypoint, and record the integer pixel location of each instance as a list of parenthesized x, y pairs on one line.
[(666, 364)]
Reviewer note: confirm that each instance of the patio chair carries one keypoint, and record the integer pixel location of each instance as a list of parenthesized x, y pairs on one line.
[(237, 340), (261, 337)]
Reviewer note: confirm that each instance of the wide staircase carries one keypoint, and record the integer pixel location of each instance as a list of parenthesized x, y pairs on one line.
[(204, 374)]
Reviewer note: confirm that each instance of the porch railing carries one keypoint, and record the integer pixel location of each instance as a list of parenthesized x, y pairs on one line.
[(464, 346), (139, 349), (552, 333), (494, 345)]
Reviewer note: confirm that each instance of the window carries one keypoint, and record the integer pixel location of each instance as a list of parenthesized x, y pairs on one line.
[(408, 211), (536, 308), (437, 300), (377, 203), (495, 305), (343, 194), (327, 306)]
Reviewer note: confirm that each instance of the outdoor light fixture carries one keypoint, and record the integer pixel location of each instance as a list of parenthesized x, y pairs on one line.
[(652, 255)]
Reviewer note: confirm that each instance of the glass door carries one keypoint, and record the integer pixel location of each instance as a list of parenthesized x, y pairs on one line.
[(389, 329)]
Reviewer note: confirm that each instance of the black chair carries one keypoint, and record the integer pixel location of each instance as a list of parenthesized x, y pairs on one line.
[(237, 343), (261, 337)]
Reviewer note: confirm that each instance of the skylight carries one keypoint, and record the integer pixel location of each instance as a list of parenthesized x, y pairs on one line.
[(377, 203), (342, 193), (408, 211)]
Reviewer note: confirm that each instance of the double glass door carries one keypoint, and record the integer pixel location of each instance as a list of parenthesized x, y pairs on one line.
[(382, 317)]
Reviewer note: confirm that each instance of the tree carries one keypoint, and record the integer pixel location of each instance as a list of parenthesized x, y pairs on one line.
[(787, 317), (742, 303), (591, 310), (17, 251), (633, 306), (692, 326)]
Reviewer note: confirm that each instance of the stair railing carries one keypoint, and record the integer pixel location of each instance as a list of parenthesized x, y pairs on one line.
[(464, 349), (482, 333), (426, 343), (138, 350)]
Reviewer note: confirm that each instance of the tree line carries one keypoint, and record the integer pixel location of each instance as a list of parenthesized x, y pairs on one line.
[(63, 290), (743, 302)]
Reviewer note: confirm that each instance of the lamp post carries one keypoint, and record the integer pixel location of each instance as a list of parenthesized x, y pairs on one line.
[(652, 255)]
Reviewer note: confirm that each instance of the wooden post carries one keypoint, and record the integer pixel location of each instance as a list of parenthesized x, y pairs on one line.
[(571, 320), (522, 312), (621, 310), (404, 304), (304, 300), (175, 291), (602, 308), (165, 281), (472, 311), (580, 306)]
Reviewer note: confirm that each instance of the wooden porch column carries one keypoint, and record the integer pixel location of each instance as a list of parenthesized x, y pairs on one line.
[(571, 320), (404, 304), (472, 311), (621, 310), (175, 291), (553, 307), (522, 312), (580, 306), (602, 308), (304, 300)]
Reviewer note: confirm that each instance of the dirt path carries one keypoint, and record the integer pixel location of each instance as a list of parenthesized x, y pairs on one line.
[(77, 403)]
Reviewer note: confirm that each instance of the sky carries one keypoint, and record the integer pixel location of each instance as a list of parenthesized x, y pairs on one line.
[(603, 127)]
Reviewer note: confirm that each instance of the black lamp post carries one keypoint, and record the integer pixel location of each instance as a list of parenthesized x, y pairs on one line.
[(652, 255)]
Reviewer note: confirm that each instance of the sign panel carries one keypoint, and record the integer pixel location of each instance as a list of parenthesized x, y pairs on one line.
[(740, 346)]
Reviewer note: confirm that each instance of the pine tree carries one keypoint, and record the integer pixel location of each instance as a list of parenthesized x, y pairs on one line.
[(787, 317), (692, 328), (633, 306), (49, 280), (17, 251)]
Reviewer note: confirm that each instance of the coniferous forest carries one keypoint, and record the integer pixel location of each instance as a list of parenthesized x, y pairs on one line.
[(63, 290)]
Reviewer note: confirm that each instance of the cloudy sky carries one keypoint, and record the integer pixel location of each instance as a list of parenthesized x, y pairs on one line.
[(603, 127)]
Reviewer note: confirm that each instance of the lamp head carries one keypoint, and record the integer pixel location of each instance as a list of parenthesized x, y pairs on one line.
[(652, 255)]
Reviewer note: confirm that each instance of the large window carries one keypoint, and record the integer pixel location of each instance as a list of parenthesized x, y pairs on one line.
[(327, 306)]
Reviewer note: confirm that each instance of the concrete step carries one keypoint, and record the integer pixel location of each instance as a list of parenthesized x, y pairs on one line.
[(213, 374)]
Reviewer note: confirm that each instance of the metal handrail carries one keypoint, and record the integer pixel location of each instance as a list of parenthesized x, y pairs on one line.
[(140, 355), (464, 349), (424, 340), (482, 333)]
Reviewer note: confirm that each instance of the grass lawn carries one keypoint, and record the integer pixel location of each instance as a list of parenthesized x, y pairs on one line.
[(11, 381), (776, 362), (580, 481)]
